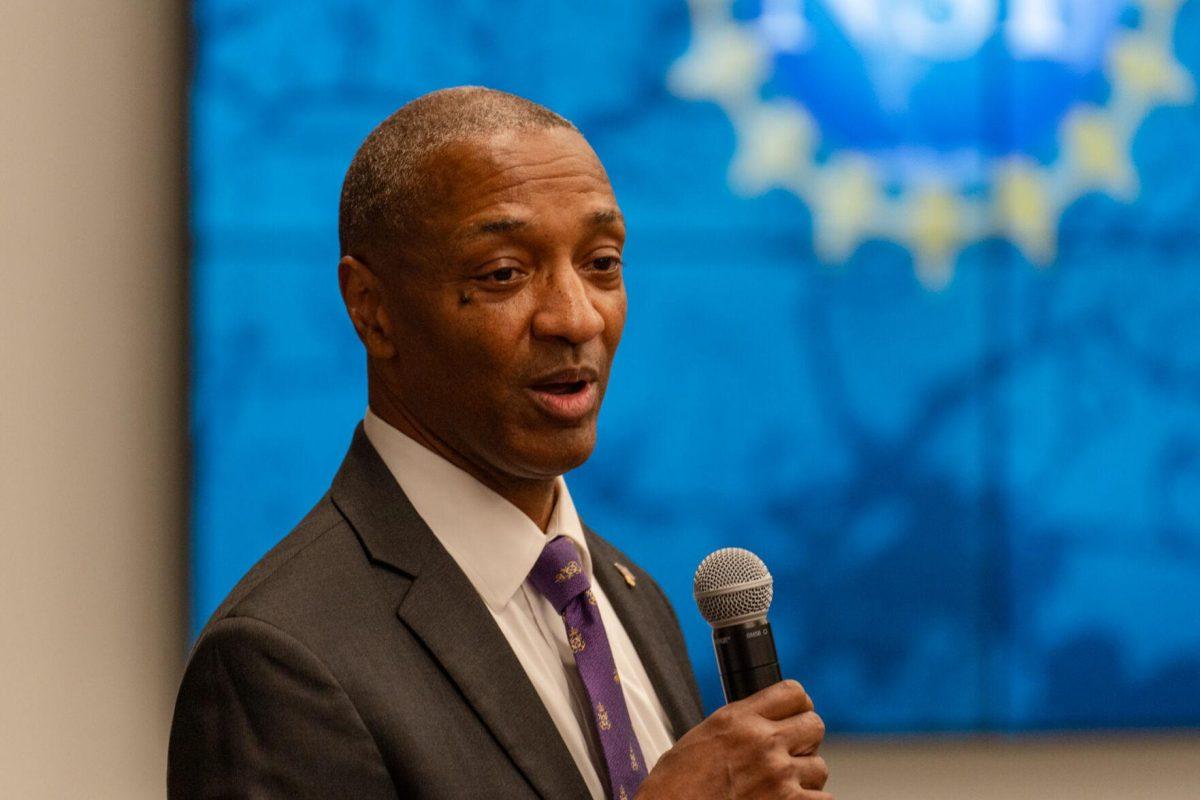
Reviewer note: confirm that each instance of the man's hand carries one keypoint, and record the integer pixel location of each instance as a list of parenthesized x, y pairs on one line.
[(760, 748)]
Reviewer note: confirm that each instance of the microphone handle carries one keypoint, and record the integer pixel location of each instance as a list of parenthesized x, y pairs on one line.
[(746, 658)]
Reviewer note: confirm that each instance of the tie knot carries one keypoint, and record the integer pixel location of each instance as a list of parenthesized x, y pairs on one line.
[(558, 573)]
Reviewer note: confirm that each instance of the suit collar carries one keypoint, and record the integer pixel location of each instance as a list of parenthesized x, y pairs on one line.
[(492, 541), (368, 496), (471, 649)]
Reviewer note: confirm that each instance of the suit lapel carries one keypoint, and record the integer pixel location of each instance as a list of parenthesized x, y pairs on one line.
[(443, 610), (640, 610)]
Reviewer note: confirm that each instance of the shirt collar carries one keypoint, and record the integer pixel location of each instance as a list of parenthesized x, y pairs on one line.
[(492, 541)]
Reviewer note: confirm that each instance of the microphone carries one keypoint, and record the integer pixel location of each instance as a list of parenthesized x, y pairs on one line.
[(733, 590)]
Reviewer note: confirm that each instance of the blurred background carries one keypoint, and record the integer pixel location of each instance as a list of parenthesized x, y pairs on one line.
[(914, 315)]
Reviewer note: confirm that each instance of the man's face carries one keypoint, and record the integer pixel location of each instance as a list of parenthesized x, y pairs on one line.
[(508, 317)]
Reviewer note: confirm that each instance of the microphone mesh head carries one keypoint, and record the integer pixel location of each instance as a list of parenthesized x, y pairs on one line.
[(732, 586)]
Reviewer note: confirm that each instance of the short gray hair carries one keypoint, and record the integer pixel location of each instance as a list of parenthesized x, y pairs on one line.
[(388, 182)]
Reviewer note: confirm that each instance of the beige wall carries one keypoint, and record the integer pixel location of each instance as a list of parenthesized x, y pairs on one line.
[(92, 471), (92, 457), (1126, 767)]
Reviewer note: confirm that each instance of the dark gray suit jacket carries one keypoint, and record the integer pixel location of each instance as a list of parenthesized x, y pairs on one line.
[(356, 660)]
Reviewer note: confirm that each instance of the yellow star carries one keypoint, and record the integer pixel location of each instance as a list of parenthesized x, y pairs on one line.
[(935, 235), (845, 202), (777, 139), (1162, 5), (1024, 208), (723, 63), (1139, 65), (1098, 153)]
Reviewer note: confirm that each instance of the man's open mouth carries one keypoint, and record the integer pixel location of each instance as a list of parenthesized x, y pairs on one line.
[(562, 387), (570, 394)]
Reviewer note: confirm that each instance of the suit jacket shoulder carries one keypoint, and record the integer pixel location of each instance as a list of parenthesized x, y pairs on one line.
[(272, 578)]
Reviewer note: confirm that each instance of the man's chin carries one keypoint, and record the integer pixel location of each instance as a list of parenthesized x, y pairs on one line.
[(552, 453)]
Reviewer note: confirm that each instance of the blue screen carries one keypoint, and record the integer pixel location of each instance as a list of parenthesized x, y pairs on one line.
[(914, 315)]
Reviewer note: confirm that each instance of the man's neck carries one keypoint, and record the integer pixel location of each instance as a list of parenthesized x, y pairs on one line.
[(535, 498)]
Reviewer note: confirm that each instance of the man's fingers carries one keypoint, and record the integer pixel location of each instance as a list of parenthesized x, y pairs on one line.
[(802, 733), (780, 701), (812, 772)]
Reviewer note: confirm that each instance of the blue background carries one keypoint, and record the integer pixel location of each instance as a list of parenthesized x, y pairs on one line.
[(981, 504)]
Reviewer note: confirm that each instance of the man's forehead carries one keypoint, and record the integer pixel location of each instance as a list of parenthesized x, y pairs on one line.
[(513, 155), (501, 184)]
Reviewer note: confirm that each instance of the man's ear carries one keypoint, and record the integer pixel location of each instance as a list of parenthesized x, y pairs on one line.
[(362, 292)]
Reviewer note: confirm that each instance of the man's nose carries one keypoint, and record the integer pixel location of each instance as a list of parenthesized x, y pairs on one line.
[(566, 309)]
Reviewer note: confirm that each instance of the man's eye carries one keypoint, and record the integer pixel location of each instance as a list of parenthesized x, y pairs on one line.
[(606, 264), (502, 275)]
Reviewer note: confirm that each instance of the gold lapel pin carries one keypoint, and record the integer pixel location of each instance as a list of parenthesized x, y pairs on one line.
[(626, 574)]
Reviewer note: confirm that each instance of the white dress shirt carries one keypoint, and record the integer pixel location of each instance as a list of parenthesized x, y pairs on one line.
[(496, 545)]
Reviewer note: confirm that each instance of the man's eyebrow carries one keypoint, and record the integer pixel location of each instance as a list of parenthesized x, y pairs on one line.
[(502, 225), (606, 216)]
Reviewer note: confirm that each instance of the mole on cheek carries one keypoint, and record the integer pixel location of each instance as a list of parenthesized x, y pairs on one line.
[(464, 298)]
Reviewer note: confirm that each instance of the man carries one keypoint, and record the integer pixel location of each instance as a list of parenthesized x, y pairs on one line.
[(441, 624)]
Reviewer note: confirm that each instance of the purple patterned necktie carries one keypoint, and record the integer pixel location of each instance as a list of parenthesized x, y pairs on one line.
[(559, 576)]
